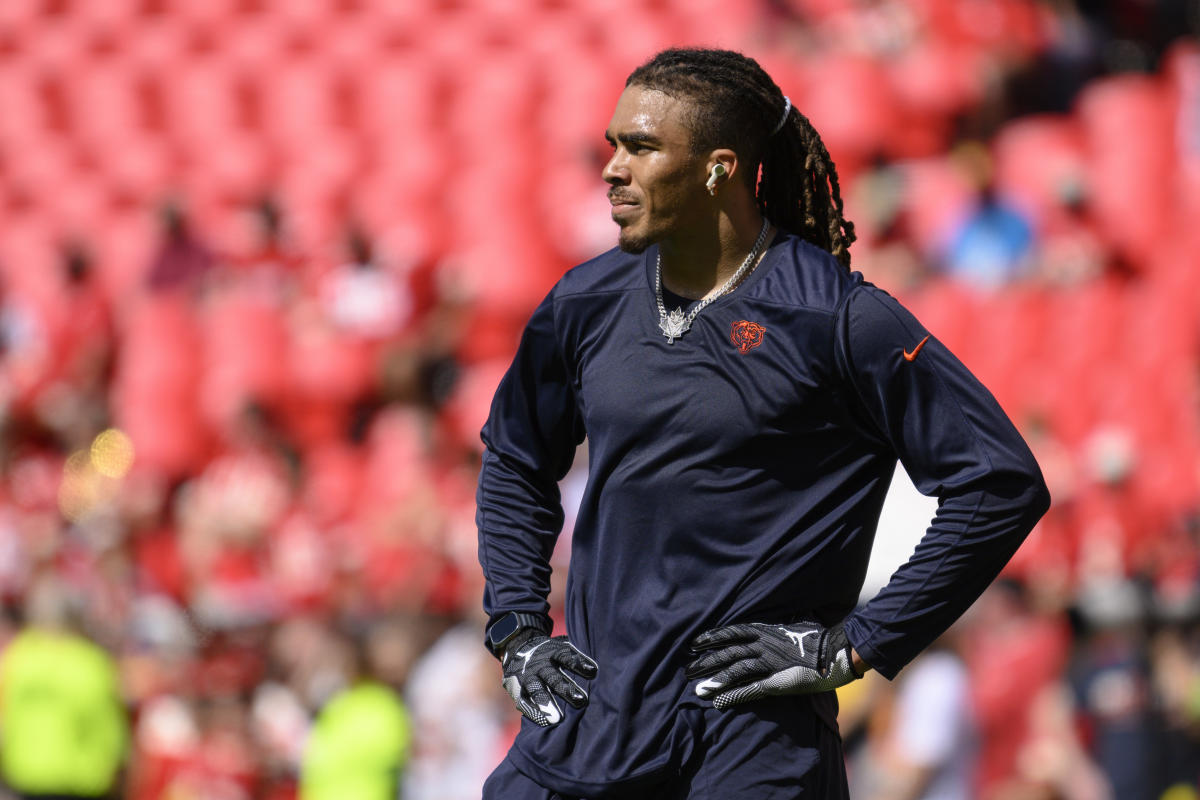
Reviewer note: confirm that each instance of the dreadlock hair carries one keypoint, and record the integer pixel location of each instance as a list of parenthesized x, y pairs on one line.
[(735, 104)]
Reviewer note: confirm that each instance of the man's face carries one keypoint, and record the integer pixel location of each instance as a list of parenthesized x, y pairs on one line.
[(657, 181)]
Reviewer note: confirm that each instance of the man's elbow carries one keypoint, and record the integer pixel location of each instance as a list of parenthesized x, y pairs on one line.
[(1037, 496), (1021, 493)]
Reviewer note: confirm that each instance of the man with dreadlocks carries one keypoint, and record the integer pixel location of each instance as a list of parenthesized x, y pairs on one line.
[(746, 398)]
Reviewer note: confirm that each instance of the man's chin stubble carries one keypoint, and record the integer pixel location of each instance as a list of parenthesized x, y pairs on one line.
[(633, 245)]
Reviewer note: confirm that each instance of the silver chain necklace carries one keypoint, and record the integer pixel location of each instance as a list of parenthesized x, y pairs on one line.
[(675, 324)]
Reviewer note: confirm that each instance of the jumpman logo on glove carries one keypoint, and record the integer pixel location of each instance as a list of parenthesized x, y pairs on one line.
[(740, 663)]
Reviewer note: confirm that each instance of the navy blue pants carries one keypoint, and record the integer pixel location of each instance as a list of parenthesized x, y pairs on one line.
[(738, 754)]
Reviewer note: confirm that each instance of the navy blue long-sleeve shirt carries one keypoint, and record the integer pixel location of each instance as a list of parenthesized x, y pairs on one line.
[(731, 484)]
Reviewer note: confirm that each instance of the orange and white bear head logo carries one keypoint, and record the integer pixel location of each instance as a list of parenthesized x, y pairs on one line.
[(746, 335)]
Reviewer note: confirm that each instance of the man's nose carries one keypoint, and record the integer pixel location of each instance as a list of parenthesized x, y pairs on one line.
[(614, 171)]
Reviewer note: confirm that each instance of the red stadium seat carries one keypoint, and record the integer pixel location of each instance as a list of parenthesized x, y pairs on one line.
[(412, 18), (575, 208), (1169, 475), (61, 44), (103, 107), (198, 104), (22, 121), (295, 104), (622, 48), (253, 45), (27, 253), (1011, 27), (1007, 332), (815, 10), (216, 13), (1161, 328), (123, 252), (397, 447), (154, 398), (936, 78), (692, 23), (1176, 267), (1083, 340), (400, 99), (142, 169), (495, 104), (1181, 67), (561, 116), (853, 132), (75, 212), (108, 15), (936, 195), (245, 348), (16, 13), (467, 409), (1086, 324), (1127, 125), (332, 481), (1040, 162)]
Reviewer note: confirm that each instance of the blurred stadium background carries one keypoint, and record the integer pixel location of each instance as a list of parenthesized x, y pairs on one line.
[(262, 263)]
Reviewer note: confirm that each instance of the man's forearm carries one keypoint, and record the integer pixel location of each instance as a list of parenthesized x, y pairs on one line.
[(972, 537)]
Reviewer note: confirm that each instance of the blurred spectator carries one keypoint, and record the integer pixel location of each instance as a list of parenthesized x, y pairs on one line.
[(928, 752), (877, 200), (160, 358), (1110, 678), (993, 244), (27, 348), (1070, 253), (1013, 650), (1051, 81), (1053, 763), (73, 400), (63, 721), (1175, 682), (4, 332), (272, 268), (362, 297), (359, 745), (227, 515), (88, 344), (338, 341), (463, 719), (182, 261)]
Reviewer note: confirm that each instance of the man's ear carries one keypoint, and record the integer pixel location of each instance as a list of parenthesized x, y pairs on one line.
[(728, 160)]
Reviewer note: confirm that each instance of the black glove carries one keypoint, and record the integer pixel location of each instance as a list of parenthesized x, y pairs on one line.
[(746, 662), (533, 675)]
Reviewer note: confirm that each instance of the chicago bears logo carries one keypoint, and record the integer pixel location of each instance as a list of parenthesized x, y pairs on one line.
[(746, 335)]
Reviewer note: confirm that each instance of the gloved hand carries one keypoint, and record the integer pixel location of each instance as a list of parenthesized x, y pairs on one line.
[(533, 675), (746, 662)]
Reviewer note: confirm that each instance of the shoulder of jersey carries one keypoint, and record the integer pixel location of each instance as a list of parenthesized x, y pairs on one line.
[(805, 275), (611, 271)]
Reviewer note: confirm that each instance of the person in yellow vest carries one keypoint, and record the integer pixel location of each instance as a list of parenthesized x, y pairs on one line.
[(360, 743), (63, 725)]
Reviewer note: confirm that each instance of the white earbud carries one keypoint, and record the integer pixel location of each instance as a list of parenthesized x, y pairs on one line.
[(718, 171)]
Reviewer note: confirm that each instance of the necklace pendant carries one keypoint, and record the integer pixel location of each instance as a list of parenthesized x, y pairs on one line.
[(673, 325)]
